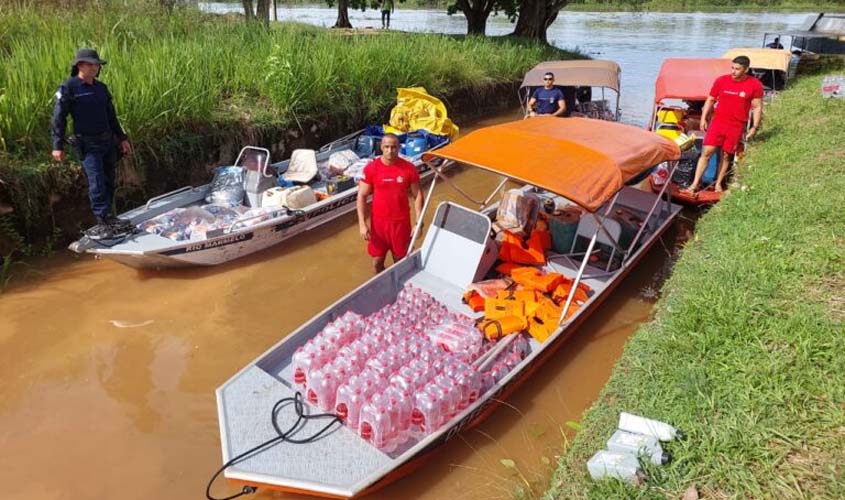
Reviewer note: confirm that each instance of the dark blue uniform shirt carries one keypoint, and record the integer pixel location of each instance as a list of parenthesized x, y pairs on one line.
[(91, 108), (547, 100)]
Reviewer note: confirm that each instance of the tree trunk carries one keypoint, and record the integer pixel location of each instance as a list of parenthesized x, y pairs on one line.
[(249, 12), (262, 12), (477, 12), (535, 17), (476, 23), (342, 14)]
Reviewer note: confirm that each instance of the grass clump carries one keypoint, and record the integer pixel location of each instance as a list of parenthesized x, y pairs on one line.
[(746, 349)]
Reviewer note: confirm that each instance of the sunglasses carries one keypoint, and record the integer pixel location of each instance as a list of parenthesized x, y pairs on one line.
[(549, 79)]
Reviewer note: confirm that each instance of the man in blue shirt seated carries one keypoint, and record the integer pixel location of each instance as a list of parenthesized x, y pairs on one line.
[(775, 44), (547, 100)]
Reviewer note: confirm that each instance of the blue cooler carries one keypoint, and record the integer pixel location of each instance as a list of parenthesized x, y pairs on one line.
[(414, 146), (367, 146)]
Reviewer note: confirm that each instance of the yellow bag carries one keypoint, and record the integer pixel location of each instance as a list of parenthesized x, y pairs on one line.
[(415, 109)]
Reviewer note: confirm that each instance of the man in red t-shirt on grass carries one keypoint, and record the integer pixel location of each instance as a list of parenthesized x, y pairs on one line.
[(734, 95), (389, 179)]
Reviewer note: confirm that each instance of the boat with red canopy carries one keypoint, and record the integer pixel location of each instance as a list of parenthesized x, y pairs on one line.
[(680, 90)]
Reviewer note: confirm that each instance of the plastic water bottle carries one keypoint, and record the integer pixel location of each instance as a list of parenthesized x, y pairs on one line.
[(305, 360), (426, 414), (613, 464), (639, 444), (648, 427), (351, 398), (322, 388), (399, 406), (376, 424)]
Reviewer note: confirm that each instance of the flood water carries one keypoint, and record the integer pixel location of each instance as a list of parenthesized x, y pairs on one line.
[(109, 373)]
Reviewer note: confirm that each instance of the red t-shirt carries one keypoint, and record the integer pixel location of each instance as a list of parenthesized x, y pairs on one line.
[(390, 185), (733, 99)]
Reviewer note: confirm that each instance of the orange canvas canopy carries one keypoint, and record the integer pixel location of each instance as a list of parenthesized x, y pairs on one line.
[(775, 59), (586, 161), (592, 72), (688, 78)]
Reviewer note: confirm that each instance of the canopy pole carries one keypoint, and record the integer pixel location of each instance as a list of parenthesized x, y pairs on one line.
[(456, 188), (424, 209), (651, 212), (584, 263), (498, 188)]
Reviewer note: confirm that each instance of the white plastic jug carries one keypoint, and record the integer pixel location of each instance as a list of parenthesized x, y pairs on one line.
[(637, 444), (614, 464), (649, 427)]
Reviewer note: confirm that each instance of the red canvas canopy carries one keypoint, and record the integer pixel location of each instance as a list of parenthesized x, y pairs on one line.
[(689, 79)]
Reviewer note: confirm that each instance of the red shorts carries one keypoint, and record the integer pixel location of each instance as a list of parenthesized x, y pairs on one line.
[(389, 235), (728, 136)]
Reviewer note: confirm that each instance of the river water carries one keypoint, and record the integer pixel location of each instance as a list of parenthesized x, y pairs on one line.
[(638, 42), (109, 373)]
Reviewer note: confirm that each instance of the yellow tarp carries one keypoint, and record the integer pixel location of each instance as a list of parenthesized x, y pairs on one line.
[(415, 109)]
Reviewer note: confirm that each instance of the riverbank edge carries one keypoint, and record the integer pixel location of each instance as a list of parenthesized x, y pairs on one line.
[(186, 157), (655, 7), (742, 352)]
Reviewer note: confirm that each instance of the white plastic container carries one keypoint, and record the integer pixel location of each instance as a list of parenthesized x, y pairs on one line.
[(613, 464), (637, 444), (647, 426)]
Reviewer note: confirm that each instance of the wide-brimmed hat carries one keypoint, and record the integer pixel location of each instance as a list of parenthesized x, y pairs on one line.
[(302, 167), (87, 55)]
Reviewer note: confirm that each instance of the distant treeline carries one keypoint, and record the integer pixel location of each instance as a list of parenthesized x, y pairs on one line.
[(648, 5)]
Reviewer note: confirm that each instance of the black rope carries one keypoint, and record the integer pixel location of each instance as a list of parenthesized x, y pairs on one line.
[(301, 419)]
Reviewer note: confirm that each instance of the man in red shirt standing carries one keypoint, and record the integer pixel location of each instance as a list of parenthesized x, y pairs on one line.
[(389, 179), (734, 96)]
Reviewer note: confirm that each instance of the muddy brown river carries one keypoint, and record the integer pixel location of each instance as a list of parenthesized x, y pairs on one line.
[(109, 373)]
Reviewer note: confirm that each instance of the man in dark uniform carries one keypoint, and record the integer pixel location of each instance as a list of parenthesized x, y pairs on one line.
[(97, 136)]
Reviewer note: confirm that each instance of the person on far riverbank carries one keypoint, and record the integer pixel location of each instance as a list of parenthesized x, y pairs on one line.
[(97, 135), (733, 96), (389, 179), (387, 7), (547, 100)]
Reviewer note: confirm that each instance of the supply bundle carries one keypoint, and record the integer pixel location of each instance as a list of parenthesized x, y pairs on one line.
[(402, 372)]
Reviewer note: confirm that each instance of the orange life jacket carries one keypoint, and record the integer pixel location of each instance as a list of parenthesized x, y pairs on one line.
[(495, 329), (513, 249)]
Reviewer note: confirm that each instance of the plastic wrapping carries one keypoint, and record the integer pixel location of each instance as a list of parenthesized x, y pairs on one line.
[(341, 160), (227, 187)]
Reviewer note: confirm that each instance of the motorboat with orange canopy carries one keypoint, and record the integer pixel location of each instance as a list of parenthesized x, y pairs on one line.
[(581, 82), (773, 67), (682, 86), (414, 369)]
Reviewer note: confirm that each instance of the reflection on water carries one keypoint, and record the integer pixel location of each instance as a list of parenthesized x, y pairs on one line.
[(638, 42)]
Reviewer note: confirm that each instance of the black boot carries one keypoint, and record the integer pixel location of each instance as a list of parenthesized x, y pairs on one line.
[(102, 231), (117, 223)]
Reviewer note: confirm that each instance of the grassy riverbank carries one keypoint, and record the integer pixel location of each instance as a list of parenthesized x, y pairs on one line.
[(167, 70), (186, 84), (746, 349)]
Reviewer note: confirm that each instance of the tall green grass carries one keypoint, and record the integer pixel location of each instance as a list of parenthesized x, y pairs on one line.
[(169, 70), (746, 350)]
